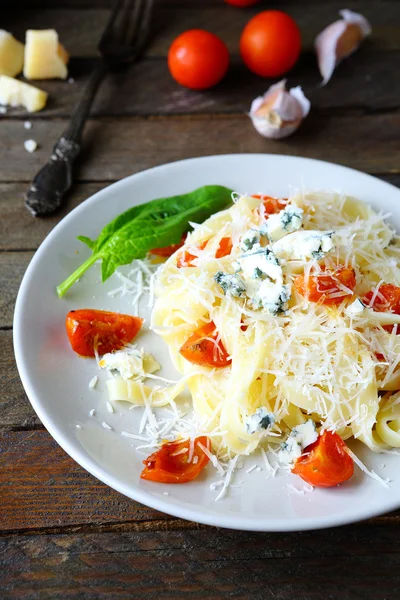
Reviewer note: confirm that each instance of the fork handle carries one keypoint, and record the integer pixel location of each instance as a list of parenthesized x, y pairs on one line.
[(48, 188)]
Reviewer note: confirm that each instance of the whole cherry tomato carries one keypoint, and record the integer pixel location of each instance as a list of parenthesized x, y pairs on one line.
[(198, 59), (242, 3), (270, 43)]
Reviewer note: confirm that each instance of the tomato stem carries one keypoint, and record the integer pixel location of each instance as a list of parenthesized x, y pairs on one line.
[(65, 285)]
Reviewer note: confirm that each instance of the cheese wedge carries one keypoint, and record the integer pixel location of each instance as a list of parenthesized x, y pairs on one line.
[(11, 54), (17, 93), (45, 57)]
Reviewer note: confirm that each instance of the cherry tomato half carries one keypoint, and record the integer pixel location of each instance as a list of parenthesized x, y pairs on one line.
[(202, 348), (387, 300), (198, 59), (325, 463), (270, 43), (323, 286), (170, 463), (108, 331), (186, 259), (271, 205)]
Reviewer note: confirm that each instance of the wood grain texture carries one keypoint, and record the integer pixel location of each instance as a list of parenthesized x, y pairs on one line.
[(41, 486), (146, 88), (80, 30), (12, 269), (351, 563), (18, 229), (117, 148), (15, 408)]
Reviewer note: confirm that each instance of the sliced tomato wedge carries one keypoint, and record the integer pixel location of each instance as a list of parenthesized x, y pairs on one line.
[(325, 463), (169, 250), (186, 259), (271, 205), (108, 331), (325, 285), (170, 464), (203, 348)]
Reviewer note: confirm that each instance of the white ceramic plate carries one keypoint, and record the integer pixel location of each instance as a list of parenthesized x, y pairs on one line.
[(56, 380)]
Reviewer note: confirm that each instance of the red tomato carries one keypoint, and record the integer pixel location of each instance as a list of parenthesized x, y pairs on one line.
[(224, 248), (198, 59), (87, 328), (170, 465), (169, 250), (320, 287), (325, 463), (388, 299), (186, 259), (270, 43), (202, 348), (271, 205), (242, 3)]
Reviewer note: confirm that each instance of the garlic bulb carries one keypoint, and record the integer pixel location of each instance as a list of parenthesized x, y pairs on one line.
[(278, 113), (339, 40)]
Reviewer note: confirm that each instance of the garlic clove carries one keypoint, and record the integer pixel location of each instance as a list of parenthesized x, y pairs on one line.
[(278, 113), (339, 40)]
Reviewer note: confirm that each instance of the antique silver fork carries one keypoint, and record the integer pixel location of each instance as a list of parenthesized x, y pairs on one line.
[(121, 43)]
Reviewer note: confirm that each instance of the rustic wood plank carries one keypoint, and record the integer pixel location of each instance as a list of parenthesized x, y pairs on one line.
[(80, 30), (117, 148), (12, 268), (18, 229), (369, 81), (41, 486), (15, 408), (361, 561)]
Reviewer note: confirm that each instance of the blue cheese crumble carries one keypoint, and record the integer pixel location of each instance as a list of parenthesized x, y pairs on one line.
[(258, 262), (262, 420), (299, 438), (250, 238), (231, 284), (280, 224), (304, 244)]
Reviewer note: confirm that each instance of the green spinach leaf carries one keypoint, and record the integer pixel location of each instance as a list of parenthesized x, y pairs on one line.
[(151, 225)]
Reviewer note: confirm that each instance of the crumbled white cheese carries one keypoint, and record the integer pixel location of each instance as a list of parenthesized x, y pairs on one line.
[(299, 438), (92, 412), (27, 125), (355, 308), (251, 237), (280, 224), (3, 110), (271, 296), (30, 145), (261, 420), (304, 244), (231, 284), (258, 262), (129, 362)]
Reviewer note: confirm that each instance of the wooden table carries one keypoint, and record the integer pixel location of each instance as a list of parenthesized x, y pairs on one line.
[(63, 533)]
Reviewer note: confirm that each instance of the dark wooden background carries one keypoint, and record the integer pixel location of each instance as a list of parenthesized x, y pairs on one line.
[(63, 534)]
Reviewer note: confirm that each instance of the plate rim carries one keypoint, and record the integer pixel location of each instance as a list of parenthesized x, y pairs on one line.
[(242, 523)]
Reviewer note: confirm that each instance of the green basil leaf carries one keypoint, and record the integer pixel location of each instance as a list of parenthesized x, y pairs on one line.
[(151, 225)]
